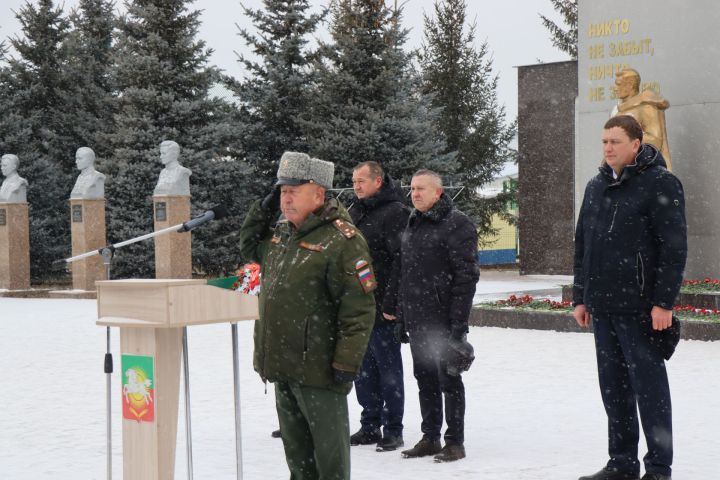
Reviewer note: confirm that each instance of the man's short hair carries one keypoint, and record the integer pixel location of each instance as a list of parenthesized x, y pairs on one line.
[(631, 126), (429, 173), (375, 169)]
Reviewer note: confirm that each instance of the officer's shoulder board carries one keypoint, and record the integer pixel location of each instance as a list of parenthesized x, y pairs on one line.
[(345, 228)]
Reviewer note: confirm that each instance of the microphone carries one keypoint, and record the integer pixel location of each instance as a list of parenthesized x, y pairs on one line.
[(216, 213)]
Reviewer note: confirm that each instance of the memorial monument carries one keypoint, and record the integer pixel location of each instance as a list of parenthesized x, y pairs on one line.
[(171, 201), (14, 227), (87, 225), (14, 187), (90, 184), (647, 107), (174, 178)]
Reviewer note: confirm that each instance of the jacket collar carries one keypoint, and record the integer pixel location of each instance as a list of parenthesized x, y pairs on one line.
[(437, 212)]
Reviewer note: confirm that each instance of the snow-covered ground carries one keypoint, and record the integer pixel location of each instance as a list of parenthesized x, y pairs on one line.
[(534, 409)]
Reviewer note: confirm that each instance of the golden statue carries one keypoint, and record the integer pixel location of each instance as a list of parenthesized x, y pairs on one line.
[(647, 107)]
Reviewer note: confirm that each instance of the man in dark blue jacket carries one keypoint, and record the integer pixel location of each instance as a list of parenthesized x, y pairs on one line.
[(630, 251), (439, 273), (381, 216)]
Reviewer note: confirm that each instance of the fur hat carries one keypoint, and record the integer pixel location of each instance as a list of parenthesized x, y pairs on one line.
[(298, 168)]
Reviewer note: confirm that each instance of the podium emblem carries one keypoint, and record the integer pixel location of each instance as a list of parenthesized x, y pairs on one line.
[(138, 388)]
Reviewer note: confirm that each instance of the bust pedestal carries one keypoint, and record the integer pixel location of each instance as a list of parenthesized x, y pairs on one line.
[(14, 246), (173, 251), (87, 227)]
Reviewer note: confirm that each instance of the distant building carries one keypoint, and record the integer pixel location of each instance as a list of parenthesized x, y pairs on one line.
[(502, 247)]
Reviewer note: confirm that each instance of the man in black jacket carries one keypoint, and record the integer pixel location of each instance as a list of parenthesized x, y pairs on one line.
[(381, 217), (439, 273), (630, 251)]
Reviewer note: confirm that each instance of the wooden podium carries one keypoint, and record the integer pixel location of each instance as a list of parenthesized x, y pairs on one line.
[(152, 315)]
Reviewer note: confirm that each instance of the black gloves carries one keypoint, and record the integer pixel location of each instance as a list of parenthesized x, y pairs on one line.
[(271, 202), (400, 332), (342, 376), (460, 354)]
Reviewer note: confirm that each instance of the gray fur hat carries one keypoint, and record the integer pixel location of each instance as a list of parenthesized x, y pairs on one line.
[(298, 168)]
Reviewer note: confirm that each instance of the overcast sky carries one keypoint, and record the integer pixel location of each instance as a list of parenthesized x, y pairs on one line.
[(511, 27)]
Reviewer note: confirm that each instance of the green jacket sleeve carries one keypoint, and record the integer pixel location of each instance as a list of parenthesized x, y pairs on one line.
[(255, 233), (355, 302)]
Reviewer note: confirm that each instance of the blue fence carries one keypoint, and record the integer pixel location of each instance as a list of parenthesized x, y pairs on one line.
[(497, 257)]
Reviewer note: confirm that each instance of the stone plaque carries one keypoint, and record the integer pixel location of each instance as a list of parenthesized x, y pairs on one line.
[(3, 217), (77, 213), (161, 212)]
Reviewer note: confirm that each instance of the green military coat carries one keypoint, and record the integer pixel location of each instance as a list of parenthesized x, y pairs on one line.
[(316, 302)]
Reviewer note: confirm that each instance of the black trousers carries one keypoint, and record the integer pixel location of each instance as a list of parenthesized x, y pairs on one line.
[(632, 376), (429, 351), (379, 387)]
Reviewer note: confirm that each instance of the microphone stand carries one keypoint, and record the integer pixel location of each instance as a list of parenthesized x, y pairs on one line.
[(108, 253)]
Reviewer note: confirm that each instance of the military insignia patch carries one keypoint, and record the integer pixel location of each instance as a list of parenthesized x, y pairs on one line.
[(365, 275), (311, 246), (345, 228)]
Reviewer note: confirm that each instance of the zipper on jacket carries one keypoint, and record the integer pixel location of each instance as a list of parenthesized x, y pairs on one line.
[(437, 296), (612, 223), (305, 338), (640, 268)]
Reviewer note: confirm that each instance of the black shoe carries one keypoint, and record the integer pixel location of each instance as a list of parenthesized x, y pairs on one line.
[(608, 473), (390, 443), (423, 448), (276, 434), (655, 476), (362, 437), (450, 453)]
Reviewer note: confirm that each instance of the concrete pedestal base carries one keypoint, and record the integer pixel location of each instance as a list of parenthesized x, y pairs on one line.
[(173, 251), (87, 227), (32, 293), (73, 294), (14, 246)]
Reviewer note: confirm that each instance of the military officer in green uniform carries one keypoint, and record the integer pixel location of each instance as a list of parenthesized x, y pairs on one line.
[(316, 312)]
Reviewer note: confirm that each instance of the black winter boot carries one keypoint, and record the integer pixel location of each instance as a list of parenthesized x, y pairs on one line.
[(611, 474), (361, 437), (390, 443), (450, 453), (423, 448)]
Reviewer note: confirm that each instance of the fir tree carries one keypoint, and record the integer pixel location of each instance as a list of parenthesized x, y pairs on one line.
[(565, 38), (459, 77), (162, 75), (366, 106), (34, 126), (91, 95), (275, 94)]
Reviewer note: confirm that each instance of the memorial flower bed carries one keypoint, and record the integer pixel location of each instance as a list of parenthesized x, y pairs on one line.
[(528, 303), (700, 286)]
